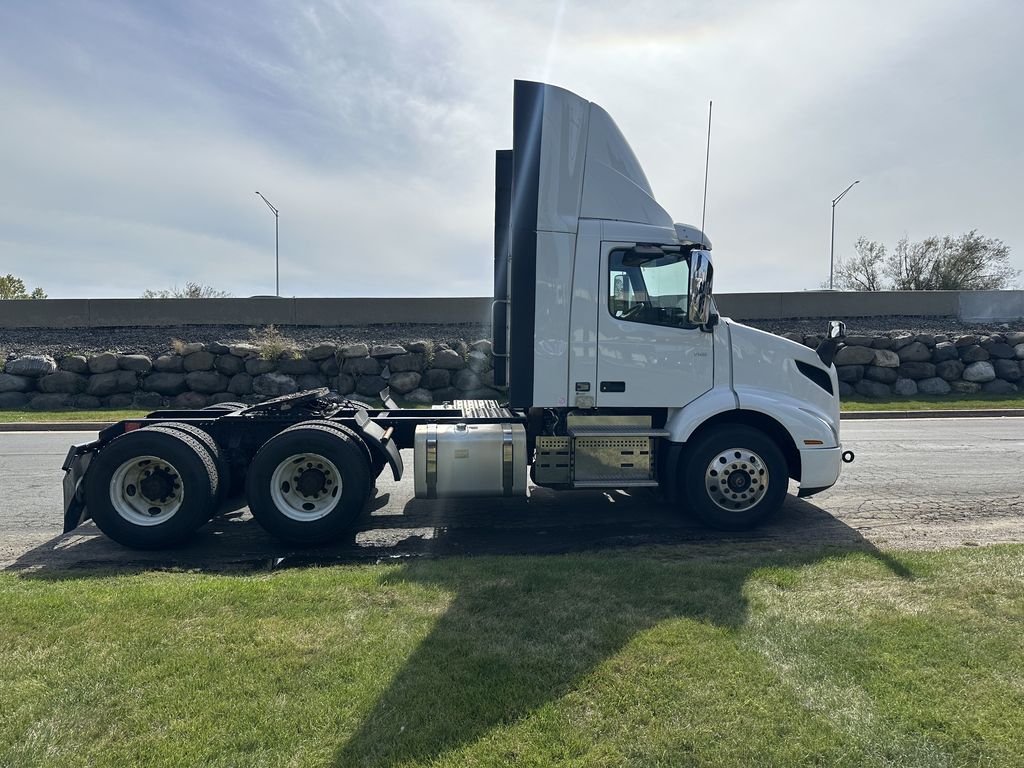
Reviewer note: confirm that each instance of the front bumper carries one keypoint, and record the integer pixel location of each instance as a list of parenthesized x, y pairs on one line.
[(819, 469)]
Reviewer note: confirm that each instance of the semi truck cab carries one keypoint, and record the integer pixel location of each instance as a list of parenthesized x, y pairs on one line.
[(605, 314), (620, 372)]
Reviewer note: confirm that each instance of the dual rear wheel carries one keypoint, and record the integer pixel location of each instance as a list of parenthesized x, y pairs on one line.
[(308, 484), (154, 487)]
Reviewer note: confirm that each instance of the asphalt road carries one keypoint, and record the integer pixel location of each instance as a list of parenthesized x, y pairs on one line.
[(916, 483)]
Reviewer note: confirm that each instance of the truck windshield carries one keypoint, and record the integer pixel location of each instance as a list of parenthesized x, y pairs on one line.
[(653, 291)]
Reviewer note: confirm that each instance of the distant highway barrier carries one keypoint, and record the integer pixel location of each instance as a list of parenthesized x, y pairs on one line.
[(967, 306)]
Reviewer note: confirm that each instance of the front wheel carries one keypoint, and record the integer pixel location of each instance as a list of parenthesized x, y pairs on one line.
[(733, 478)]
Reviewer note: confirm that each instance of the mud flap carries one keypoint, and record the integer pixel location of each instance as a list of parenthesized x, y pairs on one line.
[(669, 457), (75, 466)]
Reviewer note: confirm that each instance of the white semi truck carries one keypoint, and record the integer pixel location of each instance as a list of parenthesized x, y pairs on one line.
[(620, 375)]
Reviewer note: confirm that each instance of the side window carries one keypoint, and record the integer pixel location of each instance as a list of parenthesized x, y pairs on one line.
[(652, 289)]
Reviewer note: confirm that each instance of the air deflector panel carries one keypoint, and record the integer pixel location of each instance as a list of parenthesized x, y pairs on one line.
[(527, 116), (499, 319)]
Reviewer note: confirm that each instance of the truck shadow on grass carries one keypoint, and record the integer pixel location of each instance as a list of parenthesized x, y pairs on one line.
[(523, 631)]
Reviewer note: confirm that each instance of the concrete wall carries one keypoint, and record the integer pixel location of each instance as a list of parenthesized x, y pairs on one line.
[(826, 304), (106, 313), (976, 306), (979, 306)]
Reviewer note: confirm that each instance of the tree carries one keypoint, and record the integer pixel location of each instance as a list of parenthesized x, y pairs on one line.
[(191, 290), (909, 264), (862, 272), (12, 287), (969, 262)]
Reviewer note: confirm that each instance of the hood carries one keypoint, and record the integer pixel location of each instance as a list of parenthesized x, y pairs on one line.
[(770, 364), (776, 344)]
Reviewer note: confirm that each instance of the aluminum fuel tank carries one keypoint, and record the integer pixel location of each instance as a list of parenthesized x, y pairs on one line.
[(470, 460)]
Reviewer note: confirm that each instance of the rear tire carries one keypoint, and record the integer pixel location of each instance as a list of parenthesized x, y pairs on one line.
[(151, 488), (733, 478), (307, 485), (219, 462)]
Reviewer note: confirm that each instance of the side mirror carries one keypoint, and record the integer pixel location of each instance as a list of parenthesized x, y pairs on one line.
[(701, 273), (828, 348)]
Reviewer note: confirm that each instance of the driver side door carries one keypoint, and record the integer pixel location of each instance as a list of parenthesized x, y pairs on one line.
[(647, 355)]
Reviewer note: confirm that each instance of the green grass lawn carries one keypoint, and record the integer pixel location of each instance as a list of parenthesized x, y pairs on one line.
[(936, 403), (640, 658), (103, 414)]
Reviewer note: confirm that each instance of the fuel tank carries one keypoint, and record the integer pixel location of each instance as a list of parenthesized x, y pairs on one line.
[(470, 460)]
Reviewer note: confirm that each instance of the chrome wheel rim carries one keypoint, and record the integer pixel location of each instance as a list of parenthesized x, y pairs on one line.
[(736, 479), (146, 490), (306, 487)]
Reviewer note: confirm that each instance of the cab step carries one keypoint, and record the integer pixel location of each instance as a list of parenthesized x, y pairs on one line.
[(611, 482), (614, 430)]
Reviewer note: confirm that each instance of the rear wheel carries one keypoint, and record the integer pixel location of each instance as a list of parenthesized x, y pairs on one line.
[(307, 485), (733, 478), (151, 488), (376, 464)]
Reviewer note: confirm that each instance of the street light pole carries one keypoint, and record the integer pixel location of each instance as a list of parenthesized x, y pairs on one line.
[(277, 252), (832, 249)]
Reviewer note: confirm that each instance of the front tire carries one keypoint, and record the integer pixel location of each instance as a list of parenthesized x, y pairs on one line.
[(307, 485), (733, 478)]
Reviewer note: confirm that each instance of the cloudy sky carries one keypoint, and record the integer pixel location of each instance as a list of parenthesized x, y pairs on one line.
[(134, 134)]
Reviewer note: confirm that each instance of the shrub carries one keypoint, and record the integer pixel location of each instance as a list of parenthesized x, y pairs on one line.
[(272, 344)]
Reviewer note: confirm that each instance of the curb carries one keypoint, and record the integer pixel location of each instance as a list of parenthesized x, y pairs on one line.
[(96, 426), (54, 426)]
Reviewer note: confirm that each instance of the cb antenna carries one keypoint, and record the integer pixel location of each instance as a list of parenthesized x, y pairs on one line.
[(707, 158)]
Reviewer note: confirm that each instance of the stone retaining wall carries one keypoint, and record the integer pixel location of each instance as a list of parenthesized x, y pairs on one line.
[(906, 364), (196, 375)]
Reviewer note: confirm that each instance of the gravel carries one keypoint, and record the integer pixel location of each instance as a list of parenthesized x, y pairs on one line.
[(156, 341)]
